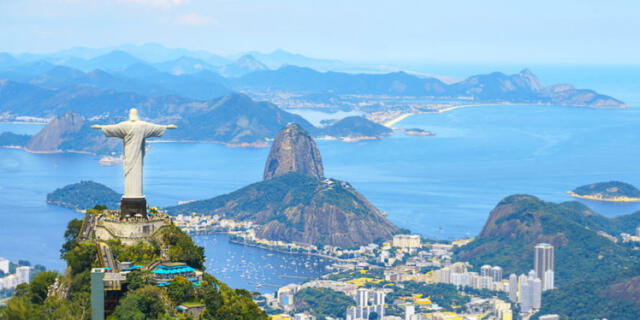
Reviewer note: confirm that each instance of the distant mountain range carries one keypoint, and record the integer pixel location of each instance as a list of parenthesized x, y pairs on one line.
[(188, 89), (523, 87), (591, 269), (152, 69), (234, 119)]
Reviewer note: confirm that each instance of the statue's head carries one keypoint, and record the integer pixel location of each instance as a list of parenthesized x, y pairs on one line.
[(133, 114)]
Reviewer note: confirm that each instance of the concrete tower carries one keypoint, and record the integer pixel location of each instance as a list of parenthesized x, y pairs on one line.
[(544, 260)]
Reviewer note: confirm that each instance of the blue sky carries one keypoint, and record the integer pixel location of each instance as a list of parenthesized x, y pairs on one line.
[(421, 31)]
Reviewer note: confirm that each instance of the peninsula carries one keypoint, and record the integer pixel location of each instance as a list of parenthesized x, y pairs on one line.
[(612, 191)]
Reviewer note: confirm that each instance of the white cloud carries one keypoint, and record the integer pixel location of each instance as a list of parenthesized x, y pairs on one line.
[(162, 4), (193, 19)]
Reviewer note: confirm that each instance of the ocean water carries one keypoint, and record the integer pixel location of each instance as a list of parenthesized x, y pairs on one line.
[(441, 187)]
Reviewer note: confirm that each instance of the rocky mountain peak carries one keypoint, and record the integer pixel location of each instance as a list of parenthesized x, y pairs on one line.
[(530, 80), (51, 136), (294, 150)]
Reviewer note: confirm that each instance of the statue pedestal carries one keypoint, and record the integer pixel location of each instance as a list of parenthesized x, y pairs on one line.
[(133, 207)]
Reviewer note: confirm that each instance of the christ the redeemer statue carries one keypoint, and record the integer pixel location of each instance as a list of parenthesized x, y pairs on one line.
[(133, 133)]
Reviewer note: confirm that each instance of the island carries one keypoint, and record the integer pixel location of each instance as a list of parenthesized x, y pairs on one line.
[(84, 195), (418, 132), (612, 191)]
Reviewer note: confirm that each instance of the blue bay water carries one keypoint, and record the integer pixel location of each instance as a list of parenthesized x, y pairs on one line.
[(442, 187)]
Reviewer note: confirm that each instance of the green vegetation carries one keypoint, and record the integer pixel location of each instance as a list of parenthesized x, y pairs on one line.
[(141, 253), (182, 248), (323, 302), (70, 298), (278, 194), (297, 203), (148, 302), (587, 299), (85, 195), (586, 262)]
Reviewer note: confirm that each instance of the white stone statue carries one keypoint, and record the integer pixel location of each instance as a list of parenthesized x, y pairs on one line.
[(133, 134)]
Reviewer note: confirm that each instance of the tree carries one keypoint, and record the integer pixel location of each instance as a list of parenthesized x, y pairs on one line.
[(323, 302), (70, 235), (144, 303), (81, 282), (182, 248), (138, 279), (81, 257), (18, 308), (180, 290), (39, 287), (22, 290)]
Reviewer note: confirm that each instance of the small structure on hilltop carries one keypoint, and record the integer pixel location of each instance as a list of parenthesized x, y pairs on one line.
[(167, 271)]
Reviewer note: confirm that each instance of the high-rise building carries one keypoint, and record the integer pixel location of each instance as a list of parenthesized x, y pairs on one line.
[(513, 288), (378, 298), (529, 292), (362, 297), (4, 265), (496, 273), (10, 281), (368, 302), (485, 270), (543, 261), (548, 283), (444, 275), (638, 231), (525, 298), (536, 293), (23, 273)]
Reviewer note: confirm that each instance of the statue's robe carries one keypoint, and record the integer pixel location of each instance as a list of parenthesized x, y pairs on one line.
[(133, 134)]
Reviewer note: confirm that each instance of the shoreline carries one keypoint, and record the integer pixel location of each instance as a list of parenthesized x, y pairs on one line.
[(596, 198), (452, 107), (265, 247), (397, 119)]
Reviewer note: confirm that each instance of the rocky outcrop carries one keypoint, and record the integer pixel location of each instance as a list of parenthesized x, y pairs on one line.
[(293, 150), (53, 135), (294, 203), (627, 290), (72, 132)]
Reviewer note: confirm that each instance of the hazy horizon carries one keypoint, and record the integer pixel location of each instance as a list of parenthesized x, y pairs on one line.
[(413, 32)]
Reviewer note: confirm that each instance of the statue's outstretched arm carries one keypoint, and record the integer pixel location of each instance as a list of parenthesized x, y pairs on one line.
[(96, 126), (172, 126)]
